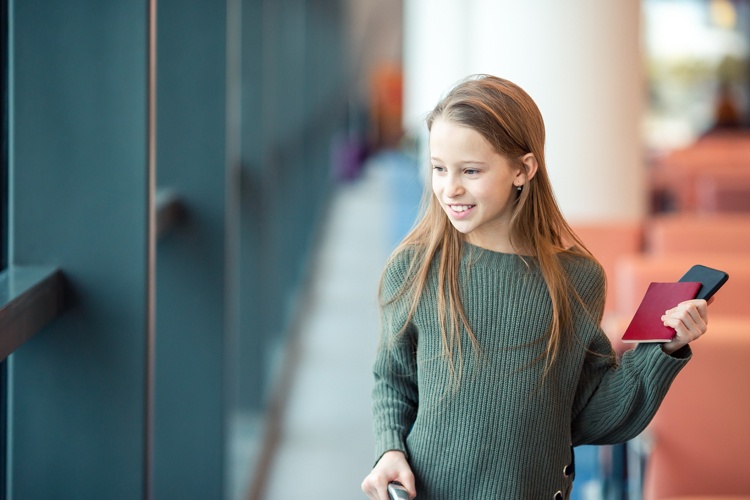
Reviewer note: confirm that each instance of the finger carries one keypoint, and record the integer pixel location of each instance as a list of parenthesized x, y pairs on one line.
[(379, 493), (703, 309), (680, 331), (675, 320), (367, 490), (686, 330), (700, 305), (407, 481), (375, 488), (698, 310), (692, 315)]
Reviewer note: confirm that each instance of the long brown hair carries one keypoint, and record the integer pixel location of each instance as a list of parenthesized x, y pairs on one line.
[(508, 118)]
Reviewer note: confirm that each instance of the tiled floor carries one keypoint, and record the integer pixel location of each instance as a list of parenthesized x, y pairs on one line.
[(326, 445)]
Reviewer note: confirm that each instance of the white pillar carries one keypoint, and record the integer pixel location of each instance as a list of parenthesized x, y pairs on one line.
[(435, 48), (581, 62)]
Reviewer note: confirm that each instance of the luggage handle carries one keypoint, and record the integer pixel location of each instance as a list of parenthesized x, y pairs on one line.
[(397, 492)]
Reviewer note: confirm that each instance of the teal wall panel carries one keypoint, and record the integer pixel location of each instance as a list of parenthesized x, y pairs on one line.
[(191, 259), (255, 179), (80, 202)]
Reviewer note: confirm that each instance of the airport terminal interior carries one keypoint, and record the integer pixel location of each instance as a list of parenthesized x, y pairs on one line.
[(198, 200)]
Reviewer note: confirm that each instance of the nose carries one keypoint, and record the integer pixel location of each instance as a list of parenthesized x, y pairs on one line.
[(453, 187)]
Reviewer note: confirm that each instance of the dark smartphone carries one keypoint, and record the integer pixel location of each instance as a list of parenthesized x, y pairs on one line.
[(710, 279)]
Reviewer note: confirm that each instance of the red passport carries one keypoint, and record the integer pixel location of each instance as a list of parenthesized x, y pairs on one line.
[(646, 325)]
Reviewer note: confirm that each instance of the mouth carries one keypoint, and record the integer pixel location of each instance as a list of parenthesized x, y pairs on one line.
[(460, 211)]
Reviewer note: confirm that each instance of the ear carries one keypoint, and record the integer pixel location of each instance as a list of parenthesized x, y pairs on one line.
[(529, 169)]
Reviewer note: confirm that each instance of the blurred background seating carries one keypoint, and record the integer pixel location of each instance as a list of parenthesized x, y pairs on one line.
[(698, 444)]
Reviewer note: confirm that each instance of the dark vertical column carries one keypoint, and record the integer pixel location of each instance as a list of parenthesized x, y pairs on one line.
[(293, 101), (80, 202), (3, 228), (4, 133), (192, 258), (254, 199), (151, 223)]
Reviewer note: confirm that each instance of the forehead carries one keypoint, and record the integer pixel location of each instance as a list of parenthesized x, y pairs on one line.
[(450, 139)]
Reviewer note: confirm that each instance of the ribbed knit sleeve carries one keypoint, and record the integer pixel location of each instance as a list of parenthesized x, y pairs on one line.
[(395, 394), (615, 402), (618, 402)]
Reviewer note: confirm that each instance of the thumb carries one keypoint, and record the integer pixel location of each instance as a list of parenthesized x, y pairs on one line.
[(407, 481)]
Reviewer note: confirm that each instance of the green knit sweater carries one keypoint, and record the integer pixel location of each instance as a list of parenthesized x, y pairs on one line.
[(505, 433)]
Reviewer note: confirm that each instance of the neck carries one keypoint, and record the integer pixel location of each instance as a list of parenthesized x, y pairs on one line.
[(496, 244)]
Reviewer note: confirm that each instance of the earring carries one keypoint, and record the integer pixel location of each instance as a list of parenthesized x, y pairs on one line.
[(519, 187)]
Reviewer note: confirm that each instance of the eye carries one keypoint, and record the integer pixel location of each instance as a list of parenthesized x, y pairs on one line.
[(438, 168), (471, 171)]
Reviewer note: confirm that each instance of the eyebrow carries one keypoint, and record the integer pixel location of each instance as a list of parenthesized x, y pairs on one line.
[(464, 162)]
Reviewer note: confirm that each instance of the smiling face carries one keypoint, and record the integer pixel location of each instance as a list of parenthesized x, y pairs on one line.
[(474, 184)]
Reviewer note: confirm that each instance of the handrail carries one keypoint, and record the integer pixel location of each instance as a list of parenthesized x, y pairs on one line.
[(30, 297), (170, 210)]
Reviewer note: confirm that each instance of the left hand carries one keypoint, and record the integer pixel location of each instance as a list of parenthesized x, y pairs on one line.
[(689, 320)]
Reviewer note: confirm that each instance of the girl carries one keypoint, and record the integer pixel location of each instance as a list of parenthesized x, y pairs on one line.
[(492, 363)]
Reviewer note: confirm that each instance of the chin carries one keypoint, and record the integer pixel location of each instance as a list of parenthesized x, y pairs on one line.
[(462, 228)]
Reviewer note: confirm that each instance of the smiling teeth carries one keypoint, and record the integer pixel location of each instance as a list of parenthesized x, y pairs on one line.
[(461, 208)]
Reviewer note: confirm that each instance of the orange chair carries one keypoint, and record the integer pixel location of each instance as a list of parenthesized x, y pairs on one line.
[(608, 241), (633, 273), (689, 233), (700, 437), (720, 191), (676, 174)]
